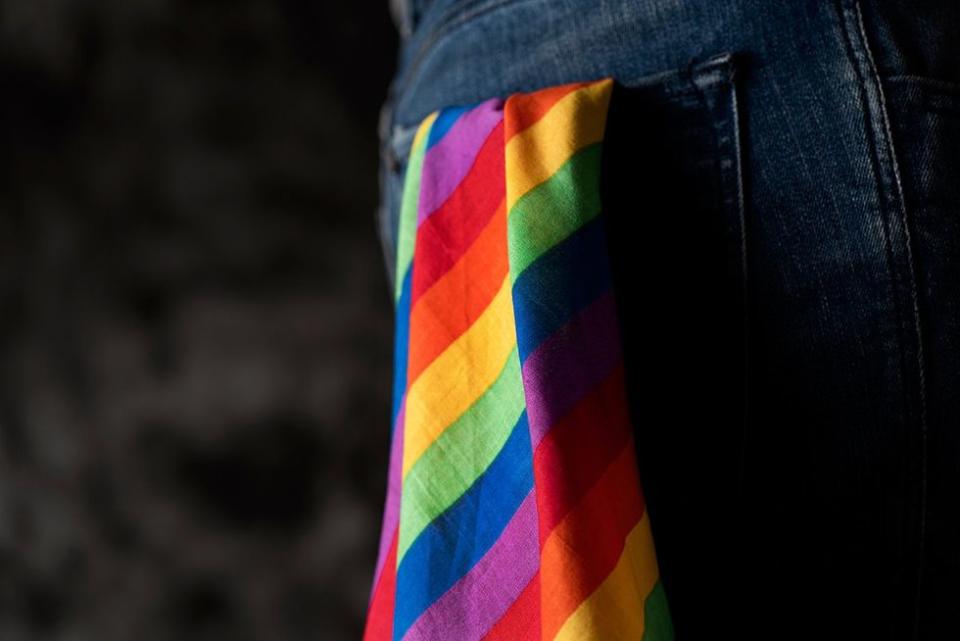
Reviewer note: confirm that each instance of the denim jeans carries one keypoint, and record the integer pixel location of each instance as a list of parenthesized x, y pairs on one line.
[(783, 209)]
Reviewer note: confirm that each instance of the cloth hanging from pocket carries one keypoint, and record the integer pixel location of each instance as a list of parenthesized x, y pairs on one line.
[(514, 509)]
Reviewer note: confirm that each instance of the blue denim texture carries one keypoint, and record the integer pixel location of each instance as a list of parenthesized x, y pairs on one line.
[(784, 213)]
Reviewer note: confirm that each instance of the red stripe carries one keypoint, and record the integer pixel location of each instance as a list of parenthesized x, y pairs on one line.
[(380, 615), (445, 235), (521, 622), (579, 448), (586, 545), (455, 301)]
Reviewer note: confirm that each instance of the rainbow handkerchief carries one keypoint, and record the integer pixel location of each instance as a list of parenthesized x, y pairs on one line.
[(514, 509)]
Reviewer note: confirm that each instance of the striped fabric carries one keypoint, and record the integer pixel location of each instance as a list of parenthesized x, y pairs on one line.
[(513, 508)]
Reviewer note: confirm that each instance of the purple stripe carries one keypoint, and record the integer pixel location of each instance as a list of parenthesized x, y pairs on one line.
[(391, 511), (570, 363), (468, 610), (446, 163)]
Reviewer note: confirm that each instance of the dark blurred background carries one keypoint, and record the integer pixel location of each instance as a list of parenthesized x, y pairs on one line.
[(194, 318)]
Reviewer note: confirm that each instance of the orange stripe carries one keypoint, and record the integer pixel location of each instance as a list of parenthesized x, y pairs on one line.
[(528, 108), (584, 548), (450, 230), (453, 303), (617, 609)]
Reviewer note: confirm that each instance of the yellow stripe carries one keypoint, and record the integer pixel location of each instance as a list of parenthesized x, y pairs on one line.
[(459, 376), (424, 129), (536, 153), (615, 609)]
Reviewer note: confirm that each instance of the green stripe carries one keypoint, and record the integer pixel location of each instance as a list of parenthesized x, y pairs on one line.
[(407, 229), (554, 209), (656, 616), (460, 455)]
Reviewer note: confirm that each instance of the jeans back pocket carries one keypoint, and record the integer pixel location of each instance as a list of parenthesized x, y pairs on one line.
[(673, 206)]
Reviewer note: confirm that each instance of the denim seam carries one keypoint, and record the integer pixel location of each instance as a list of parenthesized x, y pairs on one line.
[(719, 74), (891, 260), (745, 261), (887, 170), (911, 265)]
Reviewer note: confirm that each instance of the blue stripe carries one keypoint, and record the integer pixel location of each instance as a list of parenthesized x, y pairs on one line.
[(443, 123), (454, 541), (561, 282), (400, 345)]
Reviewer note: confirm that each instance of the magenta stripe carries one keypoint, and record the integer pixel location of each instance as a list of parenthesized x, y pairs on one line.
[(468, 610), (446, 163), (570, 363), (391, 510)]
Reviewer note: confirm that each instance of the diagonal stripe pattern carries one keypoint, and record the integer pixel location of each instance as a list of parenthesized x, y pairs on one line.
[(514, 508)]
